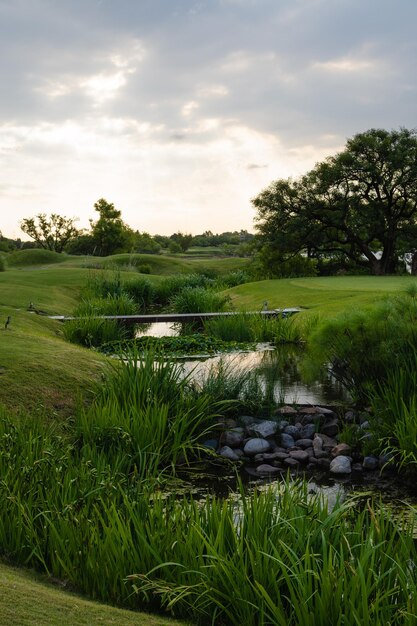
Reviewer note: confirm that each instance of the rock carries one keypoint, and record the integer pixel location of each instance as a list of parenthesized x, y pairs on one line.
[(322, 454), (308, 410), (227, 453), (370, 463), (350, 417), (386, 461), (300, 455), (327, 442), (364, 425), (272, 456), (311, 466), (267, 469), (357, 468), (317, 444), (286, 410), (213, 444), (341, 465), (310, 452), (233, 438), (256, 446), (324, 411), (287, 441), (294, 431), (330, 428), (304, 443), (267, 428), (341, 449), (323, 463), (308, 431), (283, 424), (247, 420), (313, 461), (291, 462)]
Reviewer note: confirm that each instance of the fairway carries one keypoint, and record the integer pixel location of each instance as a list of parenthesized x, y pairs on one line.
[(325, 295)]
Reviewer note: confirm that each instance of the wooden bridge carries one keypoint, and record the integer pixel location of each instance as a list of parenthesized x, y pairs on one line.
[(172, 318)]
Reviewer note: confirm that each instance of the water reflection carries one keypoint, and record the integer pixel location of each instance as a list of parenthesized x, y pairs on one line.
[(278, 370)]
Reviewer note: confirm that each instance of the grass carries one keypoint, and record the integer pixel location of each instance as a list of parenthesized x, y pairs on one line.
[(325, 295), (28, 599)]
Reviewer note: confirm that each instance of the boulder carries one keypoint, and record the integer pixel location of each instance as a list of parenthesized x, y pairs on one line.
[(256, 446), (304, 443), (287, 441), (293, 430), (267, 469), (370, 463), (341, 465), (292, 462), (342, 449), (267, 428), (300, 455), (228, 453), (330, 428), (233, 438)]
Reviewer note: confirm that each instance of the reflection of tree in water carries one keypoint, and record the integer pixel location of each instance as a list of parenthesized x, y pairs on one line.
[(281, 369)]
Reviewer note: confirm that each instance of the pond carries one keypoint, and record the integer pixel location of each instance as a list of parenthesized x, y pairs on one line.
[(282, 365)]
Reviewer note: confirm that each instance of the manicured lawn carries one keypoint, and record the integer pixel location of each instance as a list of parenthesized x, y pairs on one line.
[(29, 600), (325, 295)]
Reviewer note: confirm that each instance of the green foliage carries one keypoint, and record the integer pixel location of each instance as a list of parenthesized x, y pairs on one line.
[(255, 328), (93, 332), (53, 233), (339, 206), (196, 344), (141, 290), (110, 305), (364, 346), (34, 256), (199, 300), (111, 235), (394, 421), (3, 263), (183, 240)]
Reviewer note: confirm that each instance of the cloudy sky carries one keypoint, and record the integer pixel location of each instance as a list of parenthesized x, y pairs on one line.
[(180, 111)]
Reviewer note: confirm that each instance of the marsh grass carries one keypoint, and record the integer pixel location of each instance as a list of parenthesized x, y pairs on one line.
[(394, 421), (198, 300), (254, 328), (93, 332)]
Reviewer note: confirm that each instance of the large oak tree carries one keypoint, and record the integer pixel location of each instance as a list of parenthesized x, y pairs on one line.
[(360, 204)]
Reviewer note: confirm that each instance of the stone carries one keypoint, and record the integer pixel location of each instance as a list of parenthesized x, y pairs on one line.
[(286, 410), (310, 452), (247, 420), (317, 444), (341, 449), (370, 463), (278, 454), (283, 424), (287, 441), (256, 446), (322, 454), (330, 428), (267, 469), (341, 465), (213, 444), (304, 443), (357, 468), (364, 425), (324, 411), (291, 462), (350, 417), (293, 430), (267, 428), (308, 431), (227, 453), (233, 438), (328, 442), (300, 455), (323, 463)]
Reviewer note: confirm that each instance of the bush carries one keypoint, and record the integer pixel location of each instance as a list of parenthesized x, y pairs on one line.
[(199, 300), (3, 263), (365, 346)]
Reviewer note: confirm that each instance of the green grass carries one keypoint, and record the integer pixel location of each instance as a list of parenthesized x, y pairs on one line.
[(28, 599), (325, 295)]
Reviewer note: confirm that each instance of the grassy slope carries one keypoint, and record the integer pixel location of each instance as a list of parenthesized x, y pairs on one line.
[(27, 600), (327, 296)]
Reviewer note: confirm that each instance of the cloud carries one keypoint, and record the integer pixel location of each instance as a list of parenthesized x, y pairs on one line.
[(181, 111)]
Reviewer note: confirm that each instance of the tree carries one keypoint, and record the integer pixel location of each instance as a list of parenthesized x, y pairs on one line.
[(360, 204), (111, 235), (53, 233), (183, 240)]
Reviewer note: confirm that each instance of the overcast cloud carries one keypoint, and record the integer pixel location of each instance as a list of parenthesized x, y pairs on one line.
[(180, 111)]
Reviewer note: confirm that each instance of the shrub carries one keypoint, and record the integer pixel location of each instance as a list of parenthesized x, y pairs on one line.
[(199, 300), (3, 263)]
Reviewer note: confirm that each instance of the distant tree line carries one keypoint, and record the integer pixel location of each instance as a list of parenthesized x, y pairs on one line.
[(109, 234)]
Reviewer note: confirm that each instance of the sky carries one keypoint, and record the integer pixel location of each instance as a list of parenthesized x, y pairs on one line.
[(181, 111)]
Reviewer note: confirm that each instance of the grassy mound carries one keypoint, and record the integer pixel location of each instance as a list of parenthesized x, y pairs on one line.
[(30, 599), (35, 256)]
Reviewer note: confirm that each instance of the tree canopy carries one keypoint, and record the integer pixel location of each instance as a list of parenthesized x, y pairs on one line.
[(51, 233), (360, 204), (110, 234)]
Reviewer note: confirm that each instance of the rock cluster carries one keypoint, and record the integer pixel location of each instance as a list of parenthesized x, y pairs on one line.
[(305, 437)]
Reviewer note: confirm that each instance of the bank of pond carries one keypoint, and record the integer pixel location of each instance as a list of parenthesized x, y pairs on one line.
[(106, 502)]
